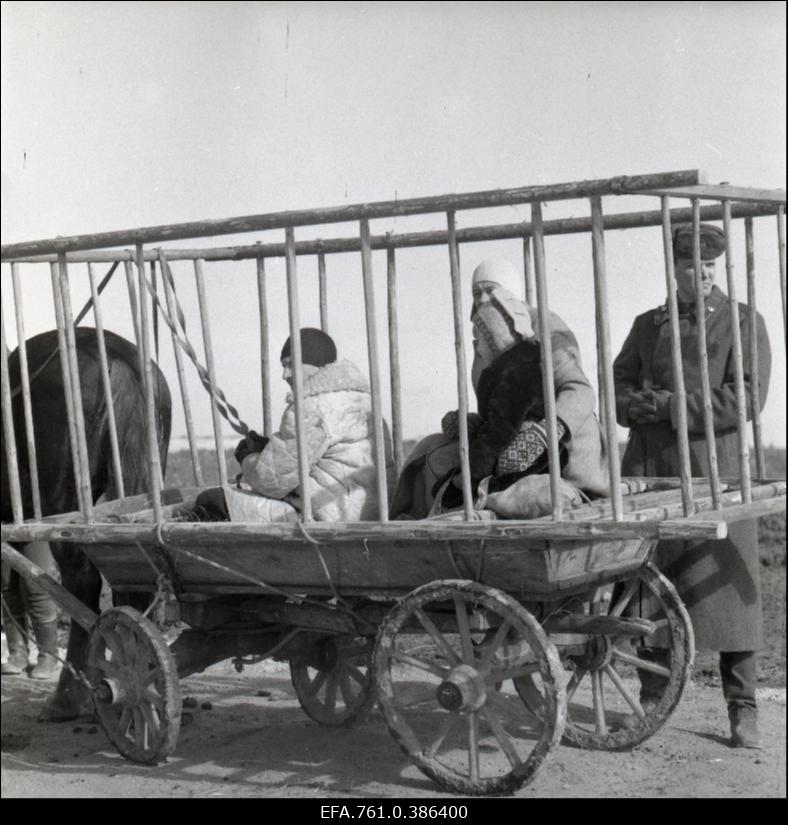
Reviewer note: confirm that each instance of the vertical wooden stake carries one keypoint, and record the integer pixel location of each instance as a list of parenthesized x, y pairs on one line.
[(679, 389), (394, 372), (24, 373), (9, 435), (738, 362), (755, 378), (265, 362)]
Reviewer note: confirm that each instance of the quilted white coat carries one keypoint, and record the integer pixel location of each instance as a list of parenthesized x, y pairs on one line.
[(339, 436)]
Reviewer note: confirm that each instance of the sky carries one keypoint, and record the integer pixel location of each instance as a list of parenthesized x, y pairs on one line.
[(120, 115)]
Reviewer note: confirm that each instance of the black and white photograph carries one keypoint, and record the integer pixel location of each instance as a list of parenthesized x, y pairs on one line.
[(393, 402)]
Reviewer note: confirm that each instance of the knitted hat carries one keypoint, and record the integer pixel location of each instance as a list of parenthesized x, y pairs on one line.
[(498, 271), (317, 348)]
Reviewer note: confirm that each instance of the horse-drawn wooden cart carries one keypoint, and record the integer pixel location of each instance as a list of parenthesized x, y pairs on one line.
[(484, 641)]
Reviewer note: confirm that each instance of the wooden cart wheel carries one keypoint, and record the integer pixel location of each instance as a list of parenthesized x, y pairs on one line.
[(607, 706), (334, 684), (135, 685), (444, 660)]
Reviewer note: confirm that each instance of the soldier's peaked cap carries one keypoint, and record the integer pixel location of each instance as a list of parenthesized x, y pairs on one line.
[(712, 241)]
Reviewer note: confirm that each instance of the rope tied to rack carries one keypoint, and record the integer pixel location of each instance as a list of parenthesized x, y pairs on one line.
[(178, 329)]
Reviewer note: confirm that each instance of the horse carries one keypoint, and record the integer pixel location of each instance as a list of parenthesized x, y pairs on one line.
[(55, 465)]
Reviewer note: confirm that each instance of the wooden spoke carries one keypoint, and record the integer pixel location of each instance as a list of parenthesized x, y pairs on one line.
[(574, 682), (140, 731), (421, 664), (316, 683), (466, 644), (345, 686), (599, 703), (107, 666), (510, 708), (153, 676), (356, 675), (330, 700), (502, 737), (626, 597), (641, 664), (115, 646), (445, 729), (473, 745), (124, 721), (151, 719), (616, 679), (437, 636), (151, 694), (414, 696), (504, 673), (493, 645)]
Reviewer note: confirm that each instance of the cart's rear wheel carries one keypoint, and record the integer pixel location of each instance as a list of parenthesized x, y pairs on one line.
[(334, 684), (623, 688), (135, 685), (444, 660)]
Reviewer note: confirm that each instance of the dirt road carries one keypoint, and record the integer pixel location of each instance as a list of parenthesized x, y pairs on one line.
[(252, 740)]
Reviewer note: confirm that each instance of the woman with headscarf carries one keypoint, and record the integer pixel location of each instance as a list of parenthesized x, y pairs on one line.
[(508, 435), (338, 432)]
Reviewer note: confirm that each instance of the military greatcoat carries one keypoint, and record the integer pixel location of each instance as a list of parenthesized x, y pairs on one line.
[(718, 580)]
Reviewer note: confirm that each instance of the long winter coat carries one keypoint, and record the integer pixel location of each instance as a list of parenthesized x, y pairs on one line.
[(718, 580), (339, 436), (510, 391)]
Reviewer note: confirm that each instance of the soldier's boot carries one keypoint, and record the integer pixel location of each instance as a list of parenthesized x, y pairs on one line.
[(17, 646), (46, 639)]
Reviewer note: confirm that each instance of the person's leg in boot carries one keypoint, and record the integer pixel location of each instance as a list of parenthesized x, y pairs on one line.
[(14, 623), (43, 613), (739, 673)]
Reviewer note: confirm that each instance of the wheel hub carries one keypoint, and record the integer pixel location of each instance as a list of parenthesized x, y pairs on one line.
[(462, 689), (597, 653)]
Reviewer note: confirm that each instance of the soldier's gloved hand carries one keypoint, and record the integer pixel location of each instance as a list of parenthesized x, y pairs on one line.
[(252, 443), (650, 406)]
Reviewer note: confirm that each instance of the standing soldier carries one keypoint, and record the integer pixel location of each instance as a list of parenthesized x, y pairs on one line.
[(718, 580)]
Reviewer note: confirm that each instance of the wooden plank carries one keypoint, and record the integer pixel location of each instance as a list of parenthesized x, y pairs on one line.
[(378, 443), (339, 214), (473, 234), (462, 372), (679, 388), (65, 373), (721, 192), (394, 371), (738, 363), (76, 390), (548, 380), (781, 258), (703, 356), (9, 435), (210, 366), (603, 336), (265, 358), (322, 291), (755, 378), (81, 614), (27, 405), (528, 269), (298, 376), (106, 384), (180, 370), (154, 461)]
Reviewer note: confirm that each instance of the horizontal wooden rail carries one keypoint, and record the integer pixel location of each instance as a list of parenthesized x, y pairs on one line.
[(623, 185), (722, 192), (473, 234)]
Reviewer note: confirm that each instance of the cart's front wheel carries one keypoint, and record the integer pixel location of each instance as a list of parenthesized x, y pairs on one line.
[(334, 683), (445, 659), (135, 685), (624, 684)]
